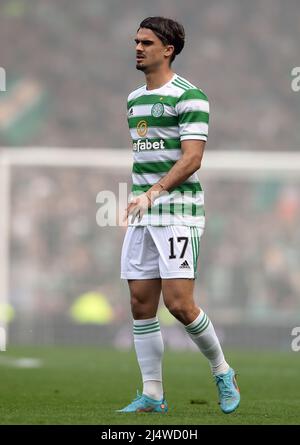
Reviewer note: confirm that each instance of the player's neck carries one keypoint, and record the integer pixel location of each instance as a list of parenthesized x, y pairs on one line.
[(158, 79)]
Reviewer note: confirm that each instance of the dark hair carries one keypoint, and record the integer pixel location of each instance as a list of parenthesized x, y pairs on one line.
[(168, 31)]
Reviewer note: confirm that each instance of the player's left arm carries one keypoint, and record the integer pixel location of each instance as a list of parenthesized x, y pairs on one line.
[(193, 115), (189, 163)]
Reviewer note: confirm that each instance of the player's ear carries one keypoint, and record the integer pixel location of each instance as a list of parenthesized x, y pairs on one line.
[(169, 49)]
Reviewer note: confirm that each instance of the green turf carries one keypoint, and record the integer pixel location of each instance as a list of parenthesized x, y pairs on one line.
[(86, 385)]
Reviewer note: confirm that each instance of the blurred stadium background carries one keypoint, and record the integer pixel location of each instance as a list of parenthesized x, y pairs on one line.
[(64, 137)]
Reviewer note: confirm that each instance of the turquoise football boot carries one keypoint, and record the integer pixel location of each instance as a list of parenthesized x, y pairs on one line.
[(144, 404), (229, 393)]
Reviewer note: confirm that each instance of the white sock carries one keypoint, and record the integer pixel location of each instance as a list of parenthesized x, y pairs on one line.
[(149, 350), (202, 333)]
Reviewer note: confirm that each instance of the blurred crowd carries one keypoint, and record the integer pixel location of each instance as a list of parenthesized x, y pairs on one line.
[(82, 55), (58, 251), (249, 253), (250, 260)]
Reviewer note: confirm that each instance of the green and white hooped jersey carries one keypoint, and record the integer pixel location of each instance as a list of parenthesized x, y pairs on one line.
[(158, 121)]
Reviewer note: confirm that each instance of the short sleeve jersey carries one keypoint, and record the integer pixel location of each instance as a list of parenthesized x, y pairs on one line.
[(158, 121)]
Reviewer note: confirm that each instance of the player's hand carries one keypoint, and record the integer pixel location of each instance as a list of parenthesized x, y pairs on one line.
[(137, 207), (140, 204)]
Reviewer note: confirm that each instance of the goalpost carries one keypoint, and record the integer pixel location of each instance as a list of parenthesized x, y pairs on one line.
[(248, 165)]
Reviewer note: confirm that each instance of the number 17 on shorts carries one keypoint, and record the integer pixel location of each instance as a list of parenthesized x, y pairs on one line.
[(160, 252)]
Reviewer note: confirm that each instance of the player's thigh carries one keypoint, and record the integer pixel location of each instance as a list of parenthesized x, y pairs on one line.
[(145, 292), (178, 292), (144, 299)]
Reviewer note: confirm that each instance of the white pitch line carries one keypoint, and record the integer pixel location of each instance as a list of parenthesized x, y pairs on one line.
[(22, 362)]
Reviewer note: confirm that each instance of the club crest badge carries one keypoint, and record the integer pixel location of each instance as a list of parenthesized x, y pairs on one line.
[(157, 110)]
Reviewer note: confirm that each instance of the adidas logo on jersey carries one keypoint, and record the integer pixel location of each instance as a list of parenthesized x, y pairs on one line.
[(184, 265), (145, 144)]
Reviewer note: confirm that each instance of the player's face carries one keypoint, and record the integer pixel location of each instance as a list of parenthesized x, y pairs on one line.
[(151, 53)]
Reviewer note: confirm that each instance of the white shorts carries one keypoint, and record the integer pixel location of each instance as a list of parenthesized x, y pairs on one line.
[(160, 252)]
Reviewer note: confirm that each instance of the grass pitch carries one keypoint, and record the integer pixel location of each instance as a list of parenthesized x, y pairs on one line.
[(84, 385)]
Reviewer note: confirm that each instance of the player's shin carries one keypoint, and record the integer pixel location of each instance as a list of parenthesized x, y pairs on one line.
[(203, 334), (149, 349)]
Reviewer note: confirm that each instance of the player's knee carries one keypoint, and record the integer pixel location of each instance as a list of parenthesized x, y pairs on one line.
[(139, 308), (135, 302), (178, 309)]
